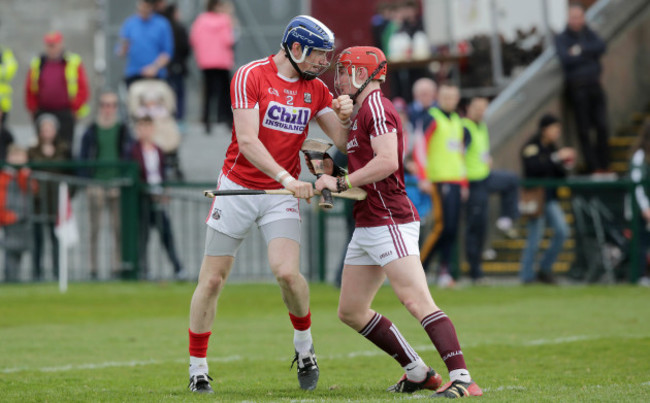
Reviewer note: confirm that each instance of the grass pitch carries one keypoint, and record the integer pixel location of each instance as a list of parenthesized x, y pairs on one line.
[(127, 342)]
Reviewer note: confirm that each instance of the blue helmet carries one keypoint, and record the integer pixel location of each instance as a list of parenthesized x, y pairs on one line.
[(310, 34)]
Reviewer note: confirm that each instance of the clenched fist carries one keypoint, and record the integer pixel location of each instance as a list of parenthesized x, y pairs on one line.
[(343, 107), (300, 189)]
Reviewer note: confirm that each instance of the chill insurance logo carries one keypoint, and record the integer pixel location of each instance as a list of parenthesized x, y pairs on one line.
[(291, 119)]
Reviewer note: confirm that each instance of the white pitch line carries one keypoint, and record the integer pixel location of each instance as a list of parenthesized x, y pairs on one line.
[(560, 340), (502, 388), (111, 364), (353, 354)]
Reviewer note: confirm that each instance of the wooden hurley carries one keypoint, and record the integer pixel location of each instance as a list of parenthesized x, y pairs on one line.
[(351, 194)]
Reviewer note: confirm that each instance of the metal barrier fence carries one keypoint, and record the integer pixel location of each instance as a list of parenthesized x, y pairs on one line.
[(109, 217), (109, 214), (115, 256), (321, 244), (607, 225)]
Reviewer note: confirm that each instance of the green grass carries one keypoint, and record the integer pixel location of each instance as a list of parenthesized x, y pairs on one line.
[(127, 342)]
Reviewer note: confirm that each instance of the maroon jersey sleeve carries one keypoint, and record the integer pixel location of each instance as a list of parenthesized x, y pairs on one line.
[(382, 117)]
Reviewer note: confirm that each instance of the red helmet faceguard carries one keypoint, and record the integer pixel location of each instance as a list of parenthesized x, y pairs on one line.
[(351, 59)]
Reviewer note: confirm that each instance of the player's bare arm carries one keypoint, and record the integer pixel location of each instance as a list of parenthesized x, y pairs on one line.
[(247, 129), (336, 125), (384, 163)]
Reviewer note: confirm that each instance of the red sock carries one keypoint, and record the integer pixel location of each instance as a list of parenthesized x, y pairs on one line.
[(199, 344), (443, 335), (385, 335), (299, 323)]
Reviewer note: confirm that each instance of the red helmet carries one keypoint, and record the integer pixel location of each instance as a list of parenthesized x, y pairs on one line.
[(369, 57)]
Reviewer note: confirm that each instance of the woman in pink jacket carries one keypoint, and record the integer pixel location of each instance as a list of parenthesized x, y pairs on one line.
[(212, 39)]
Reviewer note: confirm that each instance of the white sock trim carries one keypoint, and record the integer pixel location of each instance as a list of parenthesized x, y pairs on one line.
[(460, 375), (302, 340), (416, 371), (198, 365)]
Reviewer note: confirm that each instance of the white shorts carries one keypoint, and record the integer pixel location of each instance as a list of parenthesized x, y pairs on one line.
[(235, 215), (371, 246)]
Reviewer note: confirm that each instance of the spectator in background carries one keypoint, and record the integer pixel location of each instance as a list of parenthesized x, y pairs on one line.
[(421, 200), (580, 50), (407, 42), (160, 6), (48, 149), (147, 42), (640, 174), (542, 158), (178, 64), (424, 98), (108, 140), (446, 180), (56, 84), (482, 182), (150, 160), (419, 117), (15, 209), (384, 24), (6, 138), (212, 38), (8, 68)]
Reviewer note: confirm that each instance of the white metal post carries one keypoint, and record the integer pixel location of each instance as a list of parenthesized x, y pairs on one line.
[(497, 59)]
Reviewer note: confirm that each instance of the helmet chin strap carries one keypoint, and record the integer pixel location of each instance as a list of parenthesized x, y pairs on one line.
[(368, 80), (306, 75)]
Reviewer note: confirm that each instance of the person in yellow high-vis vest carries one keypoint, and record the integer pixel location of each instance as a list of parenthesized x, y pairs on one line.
[(482, 182), (8, 68), (57, 84), (445, 172)]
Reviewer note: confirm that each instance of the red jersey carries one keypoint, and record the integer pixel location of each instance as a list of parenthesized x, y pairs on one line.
[(387, 202), (285, 108)]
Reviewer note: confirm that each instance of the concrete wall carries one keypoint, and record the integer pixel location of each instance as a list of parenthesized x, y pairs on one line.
[(473, 17)]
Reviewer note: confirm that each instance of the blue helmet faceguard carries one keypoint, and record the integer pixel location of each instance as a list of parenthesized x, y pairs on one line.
[(311, 34)]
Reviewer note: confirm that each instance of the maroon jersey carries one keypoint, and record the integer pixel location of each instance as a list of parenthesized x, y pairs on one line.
[(387, 202)]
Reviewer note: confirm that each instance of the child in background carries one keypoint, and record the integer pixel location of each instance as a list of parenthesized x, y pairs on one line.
[(49, 149), (14, 209), (150, 160), (152, 104)]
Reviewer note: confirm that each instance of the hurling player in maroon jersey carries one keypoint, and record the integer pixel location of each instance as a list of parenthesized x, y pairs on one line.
[(385, 240), (273, 100)]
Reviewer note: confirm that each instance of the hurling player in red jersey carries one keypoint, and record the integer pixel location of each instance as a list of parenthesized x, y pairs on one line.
[(273, 100), (385, 240)]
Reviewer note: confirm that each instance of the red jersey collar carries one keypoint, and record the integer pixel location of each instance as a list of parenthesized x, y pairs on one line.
[(277, 72)]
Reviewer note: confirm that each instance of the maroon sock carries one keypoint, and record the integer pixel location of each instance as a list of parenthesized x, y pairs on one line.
[(385, 335), (443, 335), (199, 344)]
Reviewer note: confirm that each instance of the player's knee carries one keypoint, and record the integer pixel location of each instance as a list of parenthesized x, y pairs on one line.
[(349, 317), (419, 307), (214, 283), (287, 278), (412, 305), (344, 316)]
